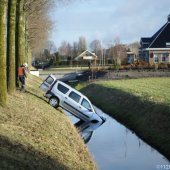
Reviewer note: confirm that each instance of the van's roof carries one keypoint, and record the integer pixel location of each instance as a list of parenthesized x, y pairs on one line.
[(58, 81)]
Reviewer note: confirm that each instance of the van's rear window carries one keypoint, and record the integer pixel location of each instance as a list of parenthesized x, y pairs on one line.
[(49, 80), (62, 88)]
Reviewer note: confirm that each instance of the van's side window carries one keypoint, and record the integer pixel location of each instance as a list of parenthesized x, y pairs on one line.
[(86, 104), (62, 88), (76, 97)]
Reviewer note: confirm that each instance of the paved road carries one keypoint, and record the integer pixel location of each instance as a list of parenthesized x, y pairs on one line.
[(60, 74)]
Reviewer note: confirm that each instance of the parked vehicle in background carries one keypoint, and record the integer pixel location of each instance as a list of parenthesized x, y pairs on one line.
[(71, 77), (63, 95)]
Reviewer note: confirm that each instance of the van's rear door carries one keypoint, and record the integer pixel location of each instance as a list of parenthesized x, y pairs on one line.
[(47, 82)]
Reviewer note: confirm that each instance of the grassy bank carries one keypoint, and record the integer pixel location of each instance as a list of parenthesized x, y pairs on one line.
[(141, 104), (33, 135)]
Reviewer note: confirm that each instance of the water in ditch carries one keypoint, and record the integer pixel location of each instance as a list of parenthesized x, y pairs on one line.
[(113, 146)]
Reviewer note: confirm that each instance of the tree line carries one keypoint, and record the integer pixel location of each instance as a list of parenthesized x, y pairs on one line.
[(108, 53), (24, 26), (112, 51)]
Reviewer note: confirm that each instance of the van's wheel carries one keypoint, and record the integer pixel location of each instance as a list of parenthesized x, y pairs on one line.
[(54, 102)]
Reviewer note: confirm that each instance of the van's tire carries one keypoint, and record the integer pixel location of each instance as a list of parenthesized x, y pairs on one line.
[(54, 102)]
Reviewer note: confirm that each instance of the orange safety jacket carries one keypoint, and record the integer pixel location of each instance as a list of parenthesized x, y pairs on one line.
[(21, 71)]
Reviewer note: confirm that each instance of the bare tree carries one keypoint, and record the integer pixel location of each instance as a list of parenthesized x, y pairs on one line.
[(134, 47), (96, 46), (82, 45), (38, 23), (118, 53), (28, 16), (120, 50), (75, 49), (50, 45), (65, 50)]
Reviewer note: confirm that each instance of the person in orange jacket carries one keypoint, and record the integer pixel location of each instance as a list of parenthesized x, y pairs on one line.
[(21, 76)]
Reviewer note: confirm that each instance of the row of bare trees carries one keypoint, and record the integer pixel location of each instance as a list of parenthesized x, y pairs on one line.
[(66, 49), (24, 27), (114, 52)]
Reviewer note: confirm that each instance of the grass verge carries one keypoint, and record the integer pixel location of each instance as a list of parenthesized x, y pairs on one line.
[(143, 105), (33, 135)]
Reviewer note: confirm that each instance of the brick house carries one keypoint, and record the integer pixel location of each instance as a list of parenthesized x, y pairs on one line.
[(156, 49)]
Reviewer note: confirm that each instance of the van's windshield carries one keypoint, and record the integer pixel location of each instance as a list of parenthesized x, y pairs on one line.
[(86, 104)]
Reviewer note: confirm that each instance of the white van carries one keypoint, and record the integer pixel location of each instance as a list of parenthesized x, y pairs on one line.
[(61, 94)]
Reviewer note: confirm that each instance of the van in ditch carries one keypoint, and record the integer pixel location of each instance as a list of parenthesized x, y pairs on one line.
[(63, 95)]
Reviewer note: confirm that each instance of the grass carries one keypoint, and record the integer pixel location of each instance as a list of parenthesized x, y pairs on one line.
[(141, 104), (33, 135)]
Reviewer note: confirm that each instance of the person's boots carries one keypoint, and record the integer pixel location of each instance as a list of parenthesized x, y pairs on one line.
[(23, 88)]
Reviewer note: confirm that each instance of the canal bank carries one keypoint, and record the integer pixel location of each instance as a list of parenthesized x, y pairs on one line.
[(34, 135), (143, 105)]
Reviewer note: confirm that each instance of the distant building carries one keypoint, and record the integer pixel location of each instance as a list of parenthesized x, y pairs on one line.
[(131, 57), (87, 56), (156, 49)]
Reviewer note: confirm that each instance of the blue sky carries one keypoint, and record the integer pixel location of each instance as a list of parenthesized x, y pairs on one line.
[(107, 19)]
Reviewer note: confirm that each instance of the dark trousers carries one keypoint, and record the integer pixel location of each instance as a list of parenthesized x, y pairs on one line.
[(22, 80)]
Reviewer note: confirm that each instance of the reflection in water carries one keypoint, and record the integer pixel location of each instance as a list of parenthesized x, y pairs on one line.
[(86, 129)]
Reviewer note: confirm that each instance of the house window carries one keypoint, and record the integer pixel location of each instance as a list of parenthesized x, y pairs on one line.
[(164, 57), (167, 44), (156, 59)]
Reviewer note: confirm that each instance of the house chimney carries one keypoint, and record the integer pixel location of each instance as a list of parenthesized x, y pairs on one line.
[(169, 18)]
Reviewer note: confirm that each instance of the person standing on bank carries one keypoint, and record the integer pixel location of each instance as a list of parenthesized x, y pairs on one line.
[(21, 76)]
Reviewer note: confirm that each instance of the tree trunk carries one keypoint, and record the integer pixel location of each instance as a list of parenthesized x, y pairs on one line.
[(11, 68), (21, 33), (3, 81)]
